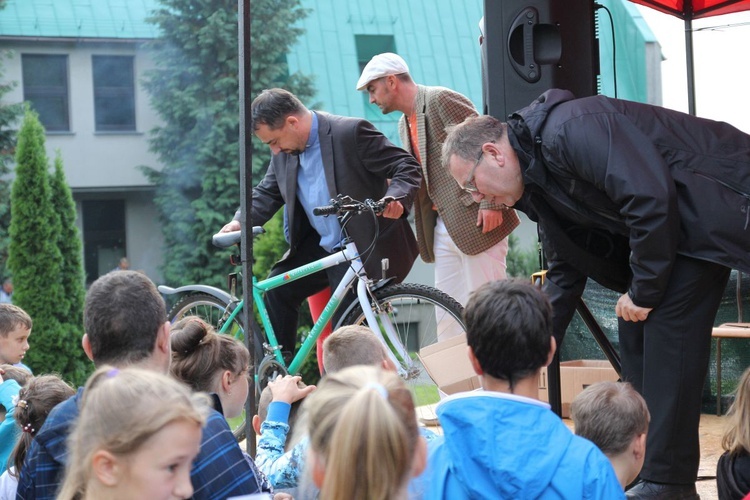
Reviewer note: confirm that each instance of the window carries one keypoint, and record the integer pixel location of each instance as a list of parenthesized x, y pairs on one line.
[(103, 236), (367, 47), (45, 86), (114, 93)]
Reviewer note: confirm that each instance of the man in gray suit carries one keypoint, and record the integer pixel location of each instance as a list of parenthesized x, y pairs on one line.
[(315, 157)]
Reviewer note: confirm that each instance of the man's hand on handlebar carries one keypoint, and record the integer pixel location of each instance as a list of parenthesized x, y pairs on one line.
[(393, 208), (232, 226)]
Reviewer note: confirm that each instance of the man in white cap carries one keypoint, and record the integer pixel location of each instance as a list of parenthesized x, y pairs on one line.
[(467, 241)]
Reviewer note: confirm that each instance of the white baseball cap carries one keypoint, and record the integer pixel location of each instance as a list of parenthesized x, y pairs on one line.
[(382, 65)]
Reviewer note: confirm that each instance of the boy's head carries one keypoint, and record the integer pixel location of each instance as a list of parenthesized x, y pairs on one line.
[(509, 329), (15, 328), (265, 399), (354, 345), (125, 320), (614, 417)]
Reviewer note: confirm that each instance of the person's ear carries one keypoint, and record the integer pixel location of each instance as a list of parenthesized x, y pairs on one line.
[(86, 344), (474, 361), (419, 462), (639, 446), (163, 340), (493, 150), (226, 381), (391, 81), (388, 365), (106, 467), (292, 120), (552, 349), (256, 424)]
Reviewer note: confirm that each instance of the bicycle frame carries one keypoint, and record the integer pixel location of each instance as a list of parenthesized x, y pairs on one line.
[(355, 272)]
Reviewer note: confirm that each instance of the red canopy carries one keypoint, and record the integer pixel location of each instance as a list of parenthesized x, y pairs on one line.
[(688, 10), (699, 8)]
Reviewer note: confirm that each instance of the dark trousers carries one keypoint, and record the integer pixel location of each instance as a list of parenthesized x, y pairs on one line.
[(283, 303), (666, 359)]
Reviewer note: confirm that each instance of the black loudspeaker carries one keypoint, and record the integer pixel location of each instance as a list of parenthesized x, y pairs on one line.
[(530, 46)]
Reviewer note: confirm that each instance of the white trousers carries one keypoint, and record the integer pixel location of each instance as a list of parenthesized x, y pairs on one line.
[(458, 274)]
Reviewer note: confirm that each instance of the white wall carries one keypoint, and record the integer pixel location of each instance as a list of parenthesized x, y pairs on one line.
[(92, 159)]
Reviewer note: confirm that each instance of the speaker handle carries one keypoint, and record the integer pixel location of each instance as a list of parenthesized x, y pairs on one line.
[(521, 45)]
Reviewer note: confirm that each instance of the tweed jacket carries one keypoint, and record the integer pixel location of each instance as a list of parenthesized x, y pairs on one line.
[(436, 108)]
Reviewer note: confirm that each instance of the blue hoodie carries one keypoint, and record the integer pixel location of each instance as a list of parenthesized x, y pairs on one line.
[(503, 446)]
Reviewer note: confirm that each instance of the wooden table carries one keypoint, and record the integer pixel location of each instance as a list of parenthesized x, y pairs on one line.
[(726, 331)]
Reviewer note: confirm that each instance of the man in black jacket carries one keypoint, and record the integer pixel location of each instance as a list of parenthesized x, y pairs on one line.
[(315, 157), (650, 202)]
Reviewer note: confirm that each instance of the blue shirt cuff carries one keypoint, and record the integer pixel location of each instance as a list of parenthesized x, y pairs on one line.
[(278, 411)]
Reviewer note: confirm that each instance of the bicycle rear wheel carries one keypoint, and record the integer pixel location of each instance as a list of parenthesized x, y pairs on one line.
[(214, 311), (421, 316), (210, 309)]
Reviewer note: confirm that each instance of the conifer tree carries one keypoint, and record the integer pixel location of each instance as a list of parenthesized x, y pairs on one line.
[(195, 90), (34, 257), (70, 309)]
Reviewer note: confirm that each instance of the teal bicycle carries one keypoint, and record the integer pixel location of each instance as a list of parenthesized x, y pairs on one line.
[(406, 317)]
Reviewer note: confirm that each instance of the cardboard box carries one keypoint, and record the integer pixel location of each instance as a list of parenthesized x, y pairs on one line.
[(449, 366), (575, 376)]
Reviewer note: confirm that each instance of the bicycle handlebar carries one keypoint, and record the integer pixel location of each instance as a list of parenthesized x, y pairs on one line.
[(326, 210), (339, 206), (342, 204)]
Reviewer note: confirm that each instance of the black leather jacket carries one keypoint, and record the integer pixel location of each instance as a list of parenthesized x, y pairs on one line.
[(619, 188)]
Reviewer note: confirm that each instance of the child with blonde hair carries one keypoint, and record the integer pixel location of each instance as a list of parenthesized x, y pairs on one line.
[(136, 437), (364, 438), (733, 468), (211, 362), (614, 417), (36, 399)]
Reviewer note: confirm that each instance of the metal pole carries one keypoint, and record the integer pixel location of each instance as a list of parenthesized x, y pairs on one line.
[(246, 201), (689, 57), (604, 344)]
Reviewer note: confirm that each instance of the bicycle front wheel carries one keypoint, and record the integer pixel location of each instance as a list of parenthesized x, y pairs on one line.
[(421, 316)]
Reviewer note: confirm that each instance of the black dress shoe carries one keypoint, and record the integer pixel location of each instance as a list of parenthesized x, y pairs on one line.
[(658, 491)]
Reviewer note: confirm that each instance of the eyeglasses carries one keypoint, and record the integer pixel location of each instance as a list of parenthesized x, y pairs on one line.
[(469, 185)]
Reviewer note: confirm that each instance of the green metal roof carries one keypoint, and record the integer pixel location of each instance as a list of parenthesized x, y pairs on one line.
[(108, 19)]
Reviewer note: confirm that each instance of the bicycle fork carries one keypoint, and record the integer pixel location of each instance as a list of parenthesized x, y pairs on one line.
[(379, 320)]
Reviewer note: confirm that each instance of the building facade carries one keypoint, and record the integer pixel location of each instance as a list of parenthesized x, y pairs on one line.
[(79, 64)]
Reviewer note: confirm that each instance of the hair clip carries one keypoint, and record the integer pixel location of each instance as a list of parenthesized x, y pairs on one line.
[(28, 428), (112, 372), (22, 403), (379, 388)]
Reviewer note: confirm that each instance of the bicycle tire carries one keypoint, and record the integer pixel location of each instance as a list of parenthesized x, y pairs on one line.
[(435, 315), (211, 309)]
